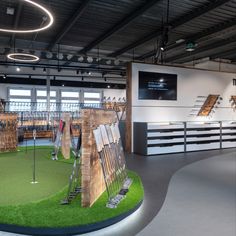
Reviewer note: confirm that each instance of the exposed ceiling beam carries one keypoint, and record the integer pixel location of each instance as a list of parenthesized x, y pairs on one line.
[(194, 37), (224, 54), (121, 24), (197, 12), (69, 23), (16, 22), (188, 56)]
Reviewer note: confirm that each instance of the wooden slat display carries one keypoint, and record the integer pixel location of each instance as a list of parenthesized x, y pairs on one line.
[(8, 132), (92, 181), (208, 105), (66, 141)]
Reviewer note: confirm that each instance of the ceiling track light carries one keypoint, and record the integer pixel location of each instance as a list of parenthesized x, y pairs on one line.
[(40, 7), (27, 57)]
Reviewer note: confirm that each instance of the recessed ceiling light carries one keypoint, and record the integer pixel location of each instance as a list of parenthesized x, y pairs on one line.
[(48, 13)]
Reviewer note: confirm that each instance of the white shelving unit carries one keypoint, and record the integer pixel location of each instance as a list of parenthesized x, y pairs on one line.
[(174, 137)]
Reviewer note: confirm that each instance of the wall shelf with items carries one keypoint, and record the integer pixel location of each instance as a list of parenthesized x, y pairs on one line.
[(175, 137)]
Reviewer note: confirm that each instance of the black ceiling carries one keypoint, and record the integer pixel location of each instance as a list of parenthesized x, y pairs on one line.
[(123, 29)]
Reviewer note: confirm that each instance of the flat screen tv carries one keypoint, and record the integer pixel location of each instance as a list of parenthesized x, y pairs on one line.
[(157, 86)]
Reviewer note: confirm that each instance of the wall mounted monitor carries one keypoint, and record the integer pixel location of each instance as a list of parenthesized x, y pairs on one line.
[(157, 86)]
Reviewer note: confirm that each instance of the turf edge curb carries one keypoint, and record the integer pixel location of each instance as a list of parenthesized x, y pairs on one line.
[(67, 230)]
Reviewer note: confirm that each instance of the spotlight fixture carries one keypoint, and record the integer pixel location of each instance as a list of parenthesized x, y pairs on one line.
[(77, 72), (4, 76), (82, 78), (108, 86), (162, 48), (38, 6), (44, 70), (22, 57), (59, 69), (18, 69), (105, 79), (62, 85), (161, 80), (54, 77), (89, 73), (30, 77), (190, 46)]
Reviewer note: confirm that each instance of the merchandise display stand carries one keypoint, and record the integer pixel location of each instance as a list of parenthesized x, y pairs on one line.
[(8, 131), (92, 181)]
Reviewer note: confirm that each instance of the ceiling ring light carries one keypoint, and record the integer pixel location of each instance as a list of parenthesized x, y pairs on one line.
[(31, 57), (43, 9)]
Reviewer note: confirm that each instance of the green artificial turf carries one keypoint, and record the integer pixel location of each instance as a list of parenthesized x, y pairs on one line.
[(17, 173), (46, 211)]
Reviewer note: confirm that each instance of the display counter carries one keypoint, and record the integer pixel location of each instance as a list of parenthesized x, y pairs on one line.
[(160, 138)]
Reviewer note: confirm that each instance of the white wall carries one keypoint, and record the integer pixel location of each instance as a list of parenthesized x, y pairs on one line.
[(191, 83)]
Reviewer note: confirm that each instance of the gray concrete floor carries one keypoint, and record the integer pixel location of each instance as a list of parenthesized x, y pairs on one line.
[(156, 173), (201, 200)]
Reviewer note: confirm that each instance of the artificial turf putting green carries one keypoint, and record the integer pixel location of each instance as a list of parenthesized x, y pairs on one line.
[(17, 171), (48, 212)]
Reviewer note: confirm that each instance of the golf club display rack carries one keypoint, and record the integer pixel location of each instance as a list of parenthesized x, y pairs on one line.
[(8, 132), (206, 105), (174, 137), (118, 105), (100, 171), (112, 159), (2, 105)]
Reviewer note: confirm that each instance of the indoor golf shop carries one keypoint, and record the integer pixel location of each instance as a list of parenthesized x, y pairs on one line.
[(118, 117)]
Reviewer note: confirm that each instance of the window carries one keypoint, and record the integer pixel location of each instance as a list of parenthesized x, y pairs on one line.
[(69, 105), (20, 92), (43, 93), (69, 94), (42, 104), (92, 99), (92, 95), (19, 104), (92, 103), (20, 99)]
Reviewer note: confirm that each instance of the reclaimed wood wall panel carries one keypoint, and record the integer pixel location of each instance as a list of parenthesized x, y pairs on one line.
[(92, 181)]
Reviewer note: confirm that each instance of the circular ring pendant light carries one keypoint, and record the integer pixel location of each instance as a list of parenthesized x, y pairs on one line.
[(25, 57), (43, 9)]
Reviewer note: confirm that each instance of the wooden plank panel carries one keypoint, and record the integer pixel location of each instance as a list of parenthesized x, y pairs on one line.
[(92, 181)]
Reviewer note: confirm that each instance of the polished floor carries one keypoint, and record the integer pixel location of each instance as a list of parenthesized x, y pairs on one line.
[(165, 213)]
